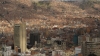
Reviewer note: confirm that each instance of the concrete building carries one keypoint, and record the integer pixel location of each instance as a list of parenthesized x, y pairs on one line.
[(86, 38), (90, 47), (20, 36), (34, 37), (96, 39), (81, 38)]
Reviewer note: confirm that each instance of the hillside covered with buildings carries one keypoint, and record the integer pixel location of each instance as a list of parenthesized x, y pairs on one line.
[(49, 27)]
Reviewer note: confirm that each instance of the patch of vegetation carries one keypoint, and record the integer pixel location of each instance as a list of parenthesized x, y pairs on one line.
[(41, 4), (87, 4)]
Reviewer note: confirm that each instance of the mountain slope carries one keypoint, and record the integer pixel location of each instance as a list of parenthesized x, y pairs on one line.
[(43, 14)]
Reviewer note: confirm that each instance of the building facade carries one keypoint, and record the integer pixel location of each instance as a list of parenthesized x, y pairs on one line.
[(20, 36), (90, 47)]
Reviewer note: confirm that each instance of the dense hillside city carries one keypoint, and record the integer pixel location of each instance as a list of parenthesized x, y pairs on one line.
[(64, 25)]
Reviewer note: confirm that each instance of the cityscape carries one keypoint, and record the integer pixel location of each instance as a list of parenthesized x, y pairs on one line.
[(49, 27)]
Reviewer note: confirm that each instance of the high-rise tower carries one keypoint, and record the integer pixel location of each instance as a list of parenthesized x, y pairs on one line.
[(20, 36), (34, 37)]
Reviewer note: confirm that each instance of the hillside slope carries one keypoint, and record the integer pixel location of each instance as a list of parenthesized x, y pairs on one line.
[(43, 14)]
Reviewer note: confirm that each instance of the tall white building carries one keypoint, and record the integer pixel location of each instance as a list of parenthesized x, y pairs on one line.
[(20, 36)]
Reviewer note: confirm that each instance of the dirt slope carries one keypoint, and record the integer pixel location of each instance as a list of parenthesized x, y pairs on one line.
[(56, 13)]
